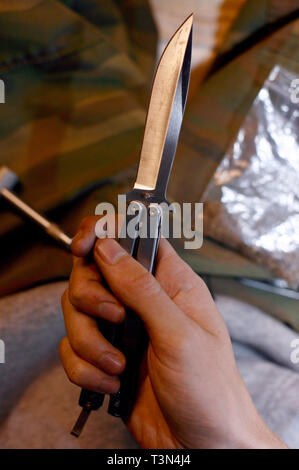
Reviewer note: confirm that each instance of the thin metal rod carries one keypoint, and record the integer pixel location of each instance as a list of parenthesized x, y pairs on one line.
[(80, 423), (52, 229)]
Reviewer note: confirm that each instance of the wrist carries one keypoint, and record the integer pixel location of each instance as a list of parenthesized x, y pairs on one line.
[(245, 428), (257, 435), (263, 438)]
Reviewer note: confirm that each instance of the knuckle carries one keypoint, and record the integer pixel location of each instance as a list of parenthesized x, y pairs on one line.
[(75, 293), (87, 222), (62, 345), (201, 283), (113, 385), (76, 373), (145, 284), (80, 344), (182, 294), (185, 345)]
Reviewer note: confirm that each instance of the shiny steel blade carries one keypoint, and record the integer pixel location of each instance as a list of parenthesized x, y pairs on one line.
[(165, 112)]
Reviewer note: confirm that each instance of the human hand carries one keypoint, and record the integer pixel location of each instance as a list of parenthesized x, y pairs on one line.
[(191, 394)]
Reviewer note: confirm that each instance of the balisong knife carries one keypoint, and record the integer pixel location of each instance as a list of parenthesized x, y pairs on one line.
[(162, 129)]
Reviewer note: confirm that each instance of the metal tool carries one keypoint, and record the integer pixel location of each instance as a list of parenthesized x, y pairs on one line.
[(273, 286), (162, 129), (8, 179)]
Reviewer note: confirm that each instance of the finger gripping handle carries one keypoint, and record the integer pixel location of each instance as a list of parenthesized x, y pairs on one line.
[(132, 340), (130, 337)]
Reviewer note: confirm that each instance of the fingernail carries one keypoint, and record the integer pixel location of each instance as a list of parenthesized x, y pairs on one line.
[(78, 235), (110, 251), (109, 385), (111, 310), (111, 362)]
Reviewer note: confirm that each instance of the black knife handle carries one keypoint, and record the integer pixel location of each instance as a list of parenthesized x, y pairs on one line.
[(88, 399), (132, 338)]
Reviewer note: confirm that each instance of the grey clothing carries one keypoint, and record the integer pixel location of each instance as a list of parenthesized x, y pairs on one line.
[(38, 405), (262, 347)]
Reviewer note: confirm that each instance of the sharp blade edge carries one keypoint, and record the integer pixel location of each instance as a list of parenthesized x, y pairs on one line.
[(166, 109)]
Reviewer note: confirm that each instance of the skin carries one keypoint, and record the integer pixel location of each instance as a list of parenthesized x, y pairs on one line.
[(191, 394)]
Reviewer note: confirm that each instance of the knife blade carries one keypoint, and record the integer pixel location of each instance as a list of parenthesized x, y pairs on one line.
[(166, 108), (162, 129)]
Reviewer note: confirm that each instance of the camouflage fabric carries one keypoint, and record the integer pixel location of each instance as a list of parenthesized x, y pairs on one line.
[(212, 121), (256, 18), (73, 113), (76, 74), (77, 87), (217, 111)]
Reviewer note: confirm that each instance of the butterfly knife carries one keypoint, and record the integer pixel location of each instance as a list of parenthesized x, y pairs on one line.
[(162, 129)]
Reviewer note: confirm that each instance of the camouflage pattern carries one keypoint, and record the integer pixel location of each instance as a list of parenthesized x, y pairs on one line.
[(77, 77), (212, 121), (73, 113)]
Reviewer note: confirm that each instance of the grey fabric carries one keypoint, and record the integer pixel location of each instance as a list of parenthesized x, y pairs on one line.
[(38, 405), (262, 347), (31, 326)]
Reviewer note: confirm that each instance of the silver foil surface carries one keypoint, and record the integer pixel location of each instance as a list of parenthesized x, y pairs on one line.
[(252, 202)]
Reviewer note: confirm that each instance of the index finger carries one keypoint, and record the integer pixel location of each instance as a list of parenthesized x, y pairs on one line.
[(85, 237), (90, 229)]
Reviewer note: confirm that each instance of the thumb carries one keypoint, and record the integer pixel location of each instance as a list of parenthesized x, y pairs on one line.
[(138, 289)]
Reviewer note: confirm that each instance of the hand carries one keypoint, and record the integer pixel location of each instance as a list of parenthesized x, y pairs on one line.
[(191, 394)]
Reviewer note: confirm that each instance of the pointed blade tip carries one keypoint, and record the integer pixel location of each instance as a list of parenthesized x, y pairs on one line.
[(149, 166), (188, 22), (187, 25), (189, 19)]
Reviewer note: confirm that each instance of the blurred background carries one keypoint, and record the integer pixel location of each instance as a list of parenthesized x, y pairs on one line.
[(77, 76), (212, 22)]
